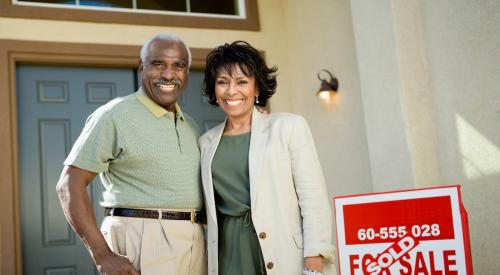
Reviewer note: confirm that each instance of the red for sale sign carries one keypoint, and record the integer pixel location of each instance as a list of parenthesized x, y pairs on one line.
[(421, 231)]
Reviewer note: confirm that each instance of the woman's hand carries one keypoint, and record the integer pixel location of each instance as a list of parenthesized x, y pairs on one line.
[(314, 263)]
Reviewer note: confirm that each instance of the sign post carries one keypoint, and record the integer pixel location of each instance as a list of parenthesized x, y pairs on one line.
[(421, 231)]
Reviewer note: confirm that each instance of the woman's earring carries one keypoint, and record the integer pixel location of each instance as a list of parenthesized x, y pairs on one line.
[(257, 99)]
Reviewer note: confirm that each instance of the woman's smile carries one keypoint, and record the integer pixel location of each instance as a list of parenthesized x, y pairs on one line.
[(233, 101)]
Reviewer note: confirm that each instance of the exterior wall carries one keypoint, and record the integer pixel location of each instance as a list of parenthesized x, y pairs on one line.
[(320, 37), (428, 73), (463, 45), (382, 93)]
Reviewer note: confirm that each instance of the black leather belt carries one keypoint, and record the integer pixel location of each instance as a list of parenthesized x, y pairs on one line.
[(193, 216)]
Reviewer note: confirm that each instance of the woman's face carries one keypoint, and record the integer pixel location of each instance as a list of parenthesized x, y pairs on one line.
[(235, 92)]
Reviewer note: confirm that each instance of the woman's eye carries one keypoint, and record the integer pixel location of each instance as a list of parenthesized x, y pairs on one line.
[(221, 82)]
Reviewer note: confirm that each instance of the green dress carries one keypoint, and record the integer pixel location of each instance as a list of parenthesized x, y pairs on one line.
[(239, 249)]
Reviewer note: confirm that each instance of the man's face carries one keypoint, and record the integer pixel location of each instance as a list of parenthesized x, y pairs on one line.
[(165, 72)]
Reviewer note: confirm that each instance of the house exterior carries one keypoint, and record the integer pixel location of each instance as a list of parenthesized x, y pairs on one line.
[(418, 102)]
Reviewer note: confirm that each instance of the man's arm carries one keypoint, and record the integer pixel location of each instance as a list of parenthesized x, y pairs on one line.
[(75, 202)]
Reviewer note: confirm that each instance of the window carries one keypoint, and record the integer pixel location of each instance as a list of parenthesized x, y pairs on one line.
[(221, 7), (216, 14)]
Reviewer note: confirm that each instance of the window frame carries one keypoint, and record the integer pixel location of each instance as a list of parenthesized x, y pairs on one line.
[(249, 21)]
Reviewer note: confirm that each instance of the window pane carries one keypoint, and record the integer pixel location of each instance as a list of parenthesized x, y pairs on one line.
[(162, 5), (69, 2), (107, 3), (215, 6)]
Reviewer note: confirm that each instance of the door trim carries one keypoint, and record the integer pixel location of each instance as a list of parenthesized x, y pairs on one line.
[(13, 52)]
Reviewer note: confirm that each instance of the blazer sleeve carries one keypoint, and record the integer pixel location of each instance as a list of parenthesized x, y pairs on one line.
[(311, 192)]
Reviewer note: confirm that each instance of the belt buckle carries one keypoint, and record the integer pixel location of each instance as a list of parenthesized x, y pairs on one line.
[(193, 216), (160, 214)]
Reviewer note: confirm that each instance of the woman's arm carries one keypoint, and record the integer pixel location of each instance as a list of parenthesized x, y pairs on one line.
[(312, 194)]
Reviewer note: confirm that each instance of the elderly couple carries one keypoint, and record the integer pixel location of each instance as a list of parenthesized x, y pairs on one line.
[(262, 186)]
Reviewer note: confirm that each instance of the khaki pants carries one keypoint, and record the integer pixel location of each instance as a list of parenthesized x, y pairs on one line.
[(158, 247)]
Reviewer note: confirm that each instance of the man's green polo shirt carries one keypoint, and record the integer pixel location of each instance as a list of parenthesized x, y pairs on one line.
[(146, 158)]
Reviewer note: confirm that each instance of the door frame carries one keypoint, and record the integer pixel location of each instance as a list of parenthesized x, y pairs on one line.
[(12, 53)]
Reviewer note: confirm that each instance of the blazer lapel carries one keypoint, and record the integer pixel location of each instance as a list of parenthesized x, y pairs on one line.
[(258, 141), (214, 137)]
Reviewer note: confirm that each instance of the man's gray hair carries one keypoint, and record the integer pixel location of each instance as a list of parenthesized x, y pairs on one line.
[(163, 37)]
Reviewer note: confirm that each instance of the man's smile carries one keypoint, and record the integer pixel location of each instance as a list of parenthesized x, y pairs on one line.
[(167, 85)]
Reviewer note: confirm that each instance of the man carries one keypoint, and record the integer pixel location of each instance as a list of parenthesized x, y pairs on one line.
[(146, 153)]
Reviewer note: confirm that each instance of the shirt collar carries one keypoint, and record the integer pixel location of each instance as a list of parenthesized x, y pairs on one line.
[(153, 107)]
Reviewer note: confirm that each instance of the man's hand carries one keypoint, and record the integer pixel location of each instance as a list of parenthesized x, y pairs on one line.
[(314, 263), (75, 202), (114, 264)]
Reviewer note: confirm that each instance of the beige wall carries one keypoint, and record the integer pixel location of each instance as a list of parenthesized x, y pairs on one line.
[(429, 79), (463, 46), (382, 95), (319, 37)]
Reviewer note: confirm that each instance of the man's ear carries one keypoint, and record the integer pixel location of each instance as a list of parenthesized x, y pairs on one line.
[(141, 66)]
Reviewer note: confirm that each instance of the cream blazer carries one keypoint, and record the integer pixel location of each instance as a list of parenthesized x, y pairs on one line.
[(289, 203)]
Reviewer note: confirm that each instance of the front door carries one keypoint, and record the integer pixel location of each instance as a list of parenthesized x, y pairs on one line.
[(196, 105), (53, 103)]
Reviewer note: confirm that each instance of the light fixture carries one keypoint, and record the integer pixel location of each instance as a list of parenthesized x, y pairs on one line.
[(327, 88)]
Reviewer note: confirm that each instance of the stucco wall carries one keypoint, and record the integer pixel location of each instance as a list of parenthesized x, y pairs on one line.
[(382, 95), (463, 45), (429, 80), (320, 37)]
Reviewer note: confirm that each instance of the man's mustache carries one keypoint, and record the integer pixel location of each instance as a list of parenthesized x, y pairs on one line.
[(167, 82)]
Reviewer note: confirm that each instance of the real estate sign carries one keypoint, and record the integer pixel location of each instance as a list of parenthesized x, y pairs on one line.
[(421, 231)]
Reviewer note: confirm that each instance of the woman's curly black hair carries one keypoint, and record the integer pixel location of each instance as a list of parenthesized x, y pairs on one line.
[(251, 63)]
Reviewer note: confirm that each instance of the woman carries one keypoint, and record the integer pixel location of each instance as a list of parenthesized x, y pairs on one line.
[(267, 206)]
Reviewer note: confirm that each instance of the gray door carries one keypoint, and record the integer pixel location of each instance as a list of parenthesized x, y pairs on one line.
[(53, 103), (196, 105)]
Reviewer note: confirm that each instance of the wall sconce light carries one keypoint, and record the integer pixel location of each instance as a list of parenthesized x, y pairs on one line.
[(327, 88)]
